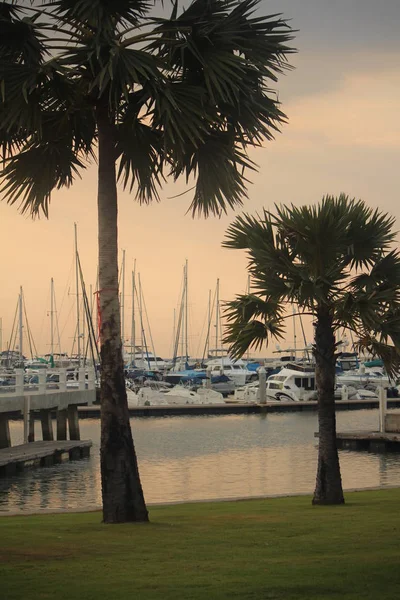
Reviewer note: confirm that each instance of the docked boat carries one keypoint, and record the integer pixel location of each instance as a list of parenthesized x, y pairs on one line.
[(145, 360), (362, 377), (246, 394), (147, 396), (297, 384), (234, 369), (250, 394), (294, 382), (181, 395)]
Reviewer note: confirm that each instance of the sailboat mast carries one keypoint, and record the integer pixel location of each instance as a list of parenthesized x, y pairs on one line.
[(78, 323), (294, 331), (133, 328), (21, 337), (248, 292), (173, 337), (52, 317), (123, 300), (217, 318), (186, 312), (141, 316), (91, 300), (209, 323)]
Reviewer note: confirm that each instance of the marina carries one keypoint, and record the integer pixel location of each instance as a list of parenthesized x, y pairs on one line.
[(204, 428)]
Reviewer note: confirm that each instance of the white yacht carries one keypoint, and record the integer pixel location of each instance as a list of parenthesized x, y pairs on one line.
[(235, 369), (146, 396), (143, 359), (250, 393), (246, 394), (362, 377), (293, 382)]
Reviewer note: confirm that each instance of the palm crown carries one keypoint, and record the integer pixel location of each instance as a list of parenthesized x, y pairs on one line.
[(187, 95), (334, 256)]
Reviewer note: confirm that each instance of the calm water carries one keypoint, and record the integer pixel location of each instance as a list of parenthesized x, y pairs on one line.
[(194, 458)]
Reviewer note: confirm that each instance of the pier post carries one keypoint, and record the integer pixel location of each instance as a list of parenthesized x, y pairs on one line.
[(382, 408), (42, 377), (262, 385), (91, 379), (27, 412), (31, 434), (62, 424), (47, 425), (73, 422), (62, 380), (208, 378), (81, 378), (5, 439), (19, 382)]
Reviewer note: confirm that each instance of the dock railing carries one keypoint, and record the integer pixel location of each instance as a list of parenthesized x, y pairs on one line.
[(50, 393), (83, 379)]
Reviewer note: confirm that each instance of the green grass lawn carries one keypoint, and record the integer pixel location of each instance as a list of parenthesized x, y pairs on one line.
[(255, 549)]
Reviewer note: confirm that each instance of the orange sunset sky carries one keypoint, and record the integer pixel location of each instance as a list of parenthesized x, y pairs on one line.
[(343, 105)]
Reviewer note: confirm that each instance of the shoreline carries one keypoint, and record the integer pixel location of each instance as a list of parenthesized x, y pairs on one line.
[(87, 509)]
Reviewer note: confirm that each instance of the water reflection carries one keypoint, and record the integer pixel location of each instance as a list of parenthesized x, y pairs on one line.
[(195, 458)]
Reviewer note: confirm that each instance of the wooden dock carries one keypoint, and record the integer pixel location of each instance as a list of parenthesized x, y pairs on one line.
[(235, 408), (41, 454), (372, 441)]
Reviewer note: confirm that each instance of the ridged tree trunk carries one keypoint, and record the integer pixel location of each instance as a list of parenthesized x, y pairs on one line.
[(328, 489), (122, 492)]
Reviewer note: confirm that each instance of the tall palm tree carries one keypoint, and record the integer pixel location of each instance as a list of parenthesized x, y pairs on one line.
[(185, 95), (335, 261)]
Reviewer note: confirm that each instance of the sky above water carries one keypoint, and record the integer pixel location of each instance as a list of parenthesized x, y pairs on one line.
[(343, 135)]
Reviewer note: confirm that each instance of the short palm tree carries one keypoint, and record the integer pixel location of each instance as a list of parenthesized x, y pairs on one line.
[(335, 262), (100, 79)]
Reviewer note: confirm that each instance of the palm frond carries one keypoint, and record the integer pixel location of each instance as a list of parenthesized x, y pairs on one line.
[(389, 354), (218, 166), (249, 233), (101, 15), (384, 275), (141, 152), (21, 38), (274, 264), (179, 111), (29, 178), (252, 323), (122, 70), (370, 234)]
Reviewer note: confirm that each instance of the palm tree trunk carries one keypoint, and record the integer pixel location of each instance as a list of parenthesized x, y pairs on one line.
[(122, 492), (328, 489)]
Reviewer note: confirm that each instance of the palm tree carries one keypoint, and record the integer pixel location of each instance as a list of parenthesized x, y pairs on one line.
[(334, 262), (186, 95)]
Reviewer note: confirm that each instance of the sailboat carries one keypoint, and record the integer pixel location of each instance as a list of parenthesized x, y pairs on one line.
[(218, 360), (14, 356), (180, 358), (178, 395), (138, 356)]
